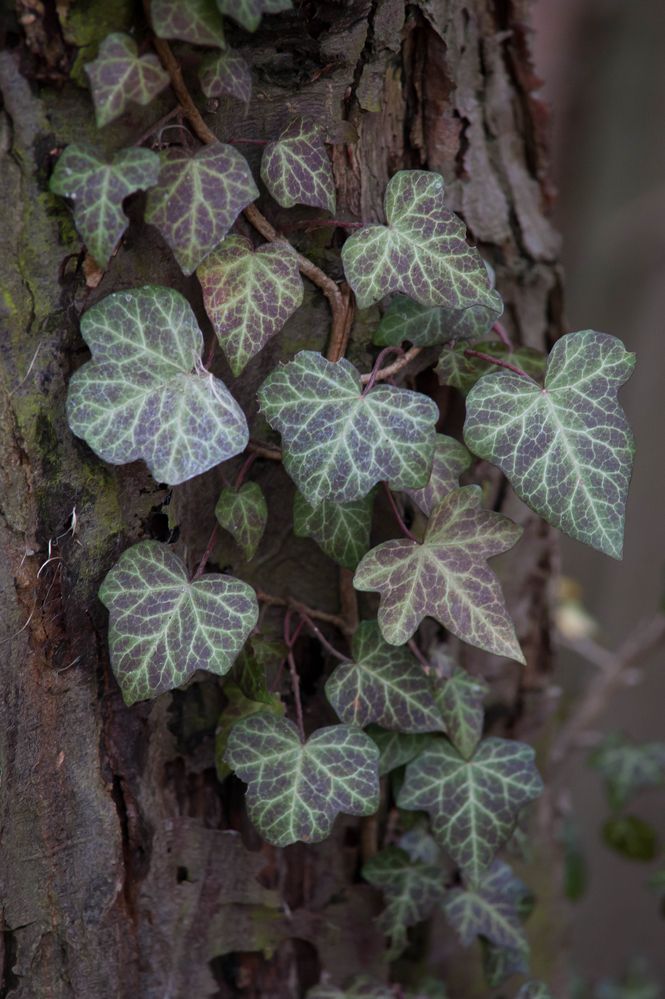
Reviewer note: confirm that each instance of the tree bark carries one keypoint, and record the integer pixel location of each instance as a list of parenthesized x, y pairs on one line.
[(126, 868)]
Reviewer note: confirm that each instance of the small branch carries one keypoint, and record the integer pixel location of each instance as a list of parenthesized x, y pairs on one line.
[(502, 334), (247, 464), (419, 656), (393, 368), (212, 541), (164, 120), (498, 362), (376, 367), (322, 638), (289, 640), (317, 615), (265, 451), (397, 515)]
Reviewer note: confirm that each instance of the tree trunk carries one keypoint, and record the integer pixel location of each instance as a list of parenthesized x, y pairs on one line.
[(126, 868)]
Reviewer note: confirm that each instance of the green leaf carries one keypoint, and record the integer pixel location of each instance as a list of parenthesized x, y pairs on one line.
[(490, 910), (500, 963), (98, 189), (338, 443), (296, 169), (249, 672), (396, 748), (361, 987), (460, 698), (411, 890), (473, 804), (631, 837), (461, 372), (238, 707), (248, 13), (162, 627), (451, 459), (296, 790), (198, 198), (144, 395), (244, 514), (534, 990), (226, 73), (446, 576), (340, 529), (383, 684), (195, 21), (567, 449), (426, 326), (249, 294), (119, 77), (422, 252), (628, 767)]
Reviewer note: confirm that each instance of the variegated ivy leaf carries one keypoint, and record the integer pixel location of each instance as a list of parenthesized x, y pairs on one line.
[(566, 449), (460, 700), (296, 790), (473, 804), (198, 198), (383, 684), (534, 990), (446, 576), (162, 627), (451, 459), (119, 76), (339, 443), (361, 987), (628, 767), (340, 529), (500, 963), (195, 21), (396, 748), (238, 706), (225, 73), (491, 909), (249, 294), (145, 395), (420, 845), (98, 189), (243, 513), (411, 890), (426, 326), (296, 168), (462, 373), (422, 252), (248, 13)]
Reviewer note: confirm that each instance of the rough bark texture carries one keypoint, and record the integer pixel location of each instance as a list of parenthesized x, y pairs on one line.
[(124, 872)]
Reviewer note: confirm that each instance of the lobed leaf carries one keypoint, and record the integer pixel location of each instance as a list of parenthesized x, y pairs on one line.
[(451, 459), (144, 394), (461, 372), (238, 706), (98, 188), (338, 443), (195, 21), (162, 627), (422, 251), (249, 294), (491, 909), (446, 576), (248, 13), (460, 698), (340, 529), (396, 748), (225, 73), (296, 168), (198, 198), (566, 449), (628, 767), (430, 326), (119, 77), (244, 514)]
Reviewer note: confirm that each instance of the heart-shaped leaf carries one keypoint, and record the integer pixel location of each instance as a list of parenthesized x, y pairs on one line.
[(296, 790), (446, 576), (249, 294), (460, 698), (566, 449), (98, 189), (119, 77), (296, 169), (198, 198), (628, 767), (384, 684), (144, 395), (340, 529), (422, 252), (450, 459), (396, 748), (491, 909), (226, 73), (338, 443), (244, 514), (162, 627), (534, 990), (411, 891), (461, 372), (424, 326), (238, 706), (195, 21), (473, 804), (248, 13)]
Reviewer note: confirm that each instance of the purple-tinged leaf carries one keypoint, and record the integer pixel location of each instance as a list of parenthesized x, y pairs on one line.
[(424, 326), (491, 909), (341, 530), (248, 13), (244, 514), (195, 21), (226, 73), (460, 698), (238, 706), (450, 459), (198, 198), (119, 77), (454, 368), (296, 169)]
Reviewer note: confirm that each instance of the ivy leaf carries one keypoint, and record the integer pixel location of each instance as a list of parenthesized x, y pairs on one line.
[(500, 963), (473, 804), (296, 168), (422, 252), (446, 576), (249, 294), (163, 627), (144, 394), (631, 837), (296, 790), (244, 514), (627, 767), (490, 910), (238, 707), (534, 990), (338, 444), (98, 189), (396, 748), (252, 664), (567, 449), (195, 21), (451, 459), (198, 198), (340, 529), (248, 13), (460, 701), (225, 73), (426, 326), (119, 77), (361, 987), (411, 890), (383, 684), (461, 372)]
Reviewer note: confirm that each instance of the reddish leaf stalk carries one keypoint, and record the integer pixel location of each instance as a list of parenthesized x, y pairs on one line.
[(397, 515), (321, 637), (212, 541), (289, 640), (247, 464), (393, 368), (498, 362), (502, 334), (369, 384)]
